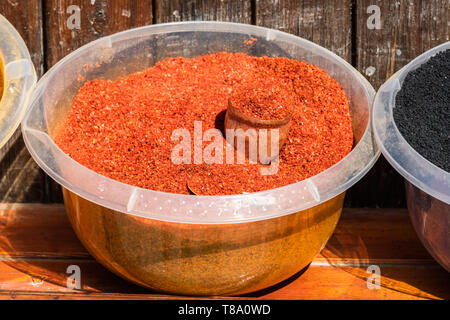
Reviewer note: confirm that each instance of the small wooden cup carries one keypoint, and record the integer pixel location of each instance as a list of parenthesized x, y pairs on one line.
[(235, 119)]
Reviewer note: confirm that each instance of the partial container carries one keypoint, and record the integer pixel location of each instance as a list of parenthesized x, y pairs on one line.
[(17, 77), (185, 244), (427, 186)]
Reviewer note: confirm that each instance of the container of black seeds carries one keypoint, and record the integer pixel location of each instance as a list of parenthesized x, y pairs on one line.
[(412, 128)]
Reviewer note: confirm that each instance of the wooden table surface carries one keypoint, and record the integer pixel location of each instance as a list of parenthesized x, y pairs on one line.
[(37, 245)]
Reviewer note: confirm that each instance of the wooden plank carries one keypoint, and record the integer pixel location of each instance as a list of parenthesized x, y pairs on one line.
[(346, 282), (376, 236), (37, 231), (20, 295), (408, 28), (384, 236), (23, 295), (219, 10), (21, 179), (37, 245), (49, 277), (319, 21), (97, 19)]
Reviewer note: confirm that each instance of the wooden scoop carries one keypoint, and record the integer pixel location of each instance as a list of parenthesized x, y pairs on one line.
[(235, 119)]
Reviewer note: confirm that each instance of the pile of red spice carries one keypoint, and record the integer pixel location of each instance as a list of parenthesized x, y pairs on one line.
[(122, 129), (265, 99)]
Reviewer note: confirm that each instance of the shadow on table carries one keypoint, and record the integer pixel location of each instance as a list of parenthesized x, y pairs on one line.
[(278, 286)]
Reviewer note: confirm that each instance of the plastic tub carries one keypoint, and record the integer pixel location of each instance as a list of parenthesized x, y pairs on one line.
[(17, 78), (427, 186), (183, 244)]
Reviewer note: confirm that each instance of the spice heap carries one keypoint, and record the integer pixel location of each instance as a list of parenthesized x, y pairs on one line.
[(422, 110), (122, 129), (265, 99)]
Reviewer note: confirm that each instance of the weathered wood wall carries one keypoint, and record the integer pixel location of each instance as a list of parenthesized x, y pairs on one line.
[(408, 28)]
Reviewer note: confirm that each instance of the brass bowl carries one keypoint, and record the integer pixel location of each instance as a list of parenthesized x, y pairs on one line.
[(202, 259)]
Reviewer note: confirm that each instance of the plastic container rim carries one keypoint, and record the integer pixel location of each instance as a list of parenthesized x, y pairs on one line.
[(204, 26)]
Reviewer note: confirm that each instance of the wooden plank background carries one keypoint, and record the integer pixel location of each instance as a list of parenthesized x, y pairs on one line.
[(408, 28)]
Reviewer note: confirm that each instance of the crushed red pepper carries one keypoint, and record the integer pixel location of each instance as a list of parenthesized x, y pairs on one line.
[(265, 99), (122, 129)]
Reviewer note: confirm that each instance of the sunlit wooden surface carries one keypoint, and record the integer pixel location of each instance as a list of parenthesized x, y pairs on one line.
[(37, 245)]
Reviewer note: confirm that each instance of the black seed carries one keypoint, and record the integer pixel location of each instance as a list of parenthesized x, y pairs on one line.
[(422, 110)]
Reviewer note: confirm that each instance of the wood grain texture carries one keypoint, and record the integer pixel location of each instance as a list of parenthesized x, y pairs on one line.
[(43, 231), (97, 19), (350, 282), (37, 278), (20, 177), (220, 10), (323, 22), (38, 231), (408, 28), (37, 245)]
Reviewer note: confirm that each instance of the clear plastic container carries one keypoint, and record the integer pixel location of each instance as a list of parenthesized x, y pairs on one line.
[(427, 186), (187, 244), (18, 77)]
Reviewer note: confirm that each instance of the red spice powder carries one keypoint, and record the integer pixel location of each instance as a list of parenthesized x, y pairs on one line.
[(265, 99), (122, 129)]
